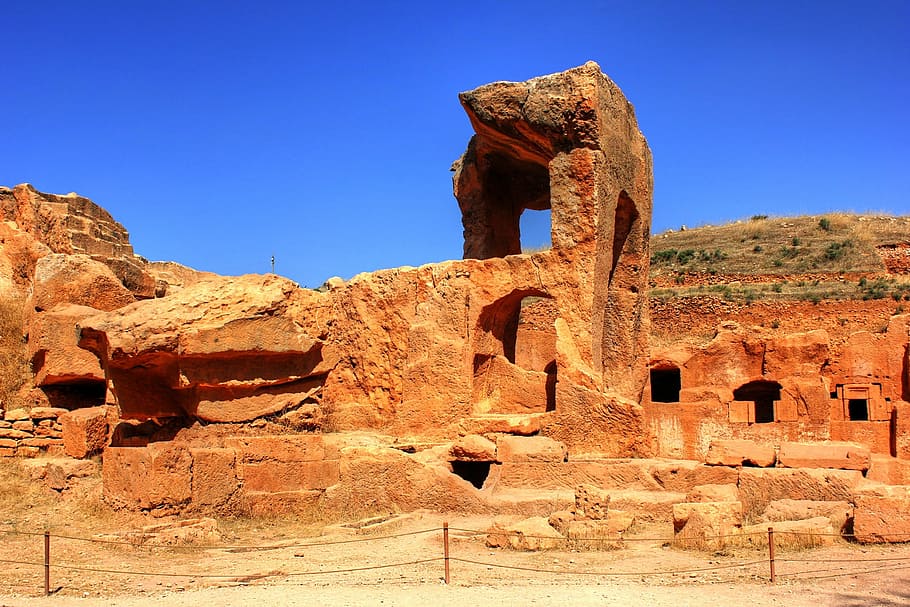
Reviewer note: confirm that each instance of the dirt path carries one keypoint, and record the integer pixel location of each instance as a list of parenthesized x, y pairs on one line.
[(275, 565)]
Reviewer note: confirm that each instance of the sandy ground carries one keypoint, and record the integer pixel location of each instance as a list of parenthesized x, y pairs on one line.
[(281, 564)]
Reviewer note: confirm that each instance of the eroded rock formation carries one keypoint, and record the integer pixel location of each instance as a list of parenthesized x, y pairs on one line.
[(505, 382)]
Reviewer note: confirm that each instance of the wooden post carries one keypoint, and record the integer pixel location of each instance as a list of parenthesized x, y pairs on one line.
[(47, 563), (445, 544), (771, 553)]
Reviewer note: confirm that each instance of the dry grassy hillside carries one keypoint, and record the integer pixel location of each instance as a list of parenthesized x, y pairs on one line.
[(814, 258)]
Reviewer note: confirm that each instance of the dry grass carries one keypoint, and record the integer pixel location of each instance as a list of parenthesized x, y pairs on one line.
[(813, 291), (836, 242), (15, 369)]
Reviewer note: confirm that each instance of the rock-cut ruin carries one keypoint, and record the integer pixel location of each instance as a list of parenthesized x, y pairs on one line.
[(505, 382)]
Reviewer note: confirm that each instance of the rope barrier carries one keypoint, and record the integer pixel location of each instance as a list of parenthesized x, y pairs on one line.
[(843, 560), (354, 569), (618, 536), (216, 547), (239, 576), (21, 563), (474, 532), (609, 573), (879, 563), (843, 573)]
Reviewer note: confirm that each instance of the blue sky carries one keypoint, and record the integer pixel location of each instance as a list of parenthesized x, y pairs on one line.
[(221, 133)]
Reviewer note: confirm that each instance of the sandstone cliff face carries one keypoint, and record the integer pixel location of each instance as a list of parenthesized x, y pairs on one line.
[(458, 385), (72, 224), (758, 384), (423, 351), (62, 259)]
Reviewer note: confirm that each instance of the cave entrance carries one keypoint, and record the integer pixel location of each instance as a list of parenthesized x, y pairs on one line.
[(763, 395), (474, 472), (665, 385)]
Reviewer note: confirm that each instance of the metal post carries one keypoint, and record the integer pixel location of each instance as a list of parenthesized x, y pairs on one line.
[(445, 543), (771, 553), (47, 563)]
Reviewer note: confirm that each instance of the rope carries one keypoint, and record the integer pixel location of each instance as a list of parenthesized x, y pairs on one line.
[(843, 560), (619, 536), (215, 547), (235, 575), (21, 563), (609, 573), (843, 573)]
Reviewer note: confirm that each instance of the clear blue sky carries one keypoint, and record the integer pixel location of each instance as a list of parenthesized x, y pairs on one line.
[(221, 133)]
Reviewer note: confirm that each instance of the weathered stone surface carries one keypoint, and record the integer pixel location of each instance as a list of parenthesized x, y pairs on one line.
[(85, 431), (473, 448), (883, 516), (14, 415), (706, 525), (519, 425), (263, 504), (222, 350), (54, 351), (215, 479), (758, 487), (285, 448), (839, 513), (530, 534), (829, 455), (421, 350), (603, 534), (529, 449), (713, 493), (889, 470), (601, 472), (797, 354), (648, 506), (379, 479), (739, 453), (156, 477), (74, 225), (41, 413), (591, 502), (79, 280), (683, 476), (277, 477), (61, 472)]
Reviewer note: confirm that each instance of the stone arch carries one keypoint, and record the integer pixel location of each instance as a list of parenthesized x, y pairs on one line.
[(494, 187), (624, 261), (515, 354)]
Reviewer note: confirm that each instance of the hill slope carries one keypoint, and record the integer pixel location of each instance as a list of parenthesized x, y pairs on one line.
[(835, 256)]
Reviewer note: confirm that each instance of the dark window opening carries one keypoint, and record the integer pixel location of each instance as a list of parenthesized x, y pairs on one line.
[(475, 473), (76, 395), (665, 385), (764, 411), (762, 393), (551, 386), (858, 409), (626, 216)]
